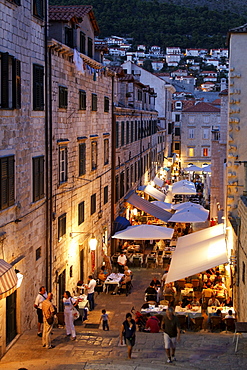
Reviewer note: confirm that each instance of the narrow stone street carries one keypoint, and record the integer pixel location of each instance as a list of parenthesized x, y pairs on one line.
[(98, 349)]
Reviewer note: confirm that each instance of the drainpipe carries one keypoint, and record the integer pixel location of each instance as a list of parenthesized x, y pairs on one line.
[(47, 218), (113, 165)]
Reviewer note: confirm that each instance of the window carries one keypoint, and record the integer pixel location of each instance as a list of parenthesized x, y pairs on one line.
[(105, 194), (139, 95), (177, 146), (191, 133), (38, 178), (82, 159), (127, 132), (206, 119), (16, 2), (127, 179), (106, 151), (136, 131), (191, 119), (191, 152), (38, 253), (93, 203), (117, 189), (63, 165), (132, 132), (7, 182), (205, 133), (63, 97), (61, 226), (117, 134), (69, 37), (243, 272), (82, 43), (94, 155), (81, 214), (10, 77), (82, 100), (131, 174), (205, 152), (94, 102), (169, 128), (38, 87), (122, 133), (177, 117), (38, 8), (90, 47), (177, 131), (121, 184), (106, 104)]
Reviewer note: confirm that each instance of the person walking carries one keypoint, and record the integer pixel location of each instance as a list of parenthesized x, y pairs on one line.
[(38, 305), (128, 331), (68, 303), (171, 328), (104, 319), (90, 291), (48, 311)]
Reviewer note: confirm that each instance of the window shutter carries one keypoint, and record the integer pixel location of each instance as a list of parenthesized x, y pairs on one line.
[(7, 182), (5, 80), (16, 86), (82, 159), (38, 87)]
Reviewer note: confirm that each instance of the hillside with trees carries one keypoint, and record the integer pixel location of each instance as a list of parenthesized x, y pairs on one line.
[(153, 22)]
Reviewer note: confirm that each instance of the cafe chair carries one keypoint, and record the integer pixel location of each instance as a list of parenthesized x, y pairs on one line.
[(230, 324), (215, 323), (195, 284), (182, 319), (240, 327), (151, 297), (99, 286), (197, 323), (136, 262), (169, 297), (180, 284)]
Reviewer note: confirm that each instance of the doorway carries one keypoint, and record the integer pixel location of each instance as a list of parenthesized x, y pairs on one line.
[(10, 318), (82, 265), (61, 290)]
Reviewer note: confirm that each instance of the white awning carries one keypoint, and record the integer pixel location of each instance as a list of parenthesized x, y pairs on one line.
[(158, 181), (198, 252), (147, 207), (144, 232), (155, 193), (8, 279)]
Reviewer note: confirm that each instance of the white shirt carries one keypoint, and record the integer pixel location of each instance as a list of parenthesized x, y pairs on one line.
[(68, 303), (122, 259), (39, 299), (91, 286)]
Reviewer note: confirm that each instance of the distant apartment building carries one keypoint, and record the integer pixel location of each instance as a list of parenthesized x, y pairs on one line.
[(196, 125)]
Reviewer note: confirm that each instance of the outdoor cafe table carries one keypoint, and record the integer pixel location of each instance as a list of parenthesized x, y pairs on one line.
[(160, 310), (191, 313), (224, 310), (112, 279)]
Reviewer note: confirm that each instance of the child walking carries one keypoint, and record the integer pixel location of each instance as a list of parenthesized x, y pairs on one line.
[(104, 319)]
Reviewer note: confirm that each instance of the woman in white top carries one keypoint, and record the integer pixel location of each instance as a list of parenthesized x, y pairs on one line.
[(68, 303)]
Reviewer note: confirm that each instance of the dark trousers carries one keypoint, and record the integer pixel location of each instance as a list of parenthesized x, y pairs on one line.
[(121, 269), (105, 325), (90, 298)]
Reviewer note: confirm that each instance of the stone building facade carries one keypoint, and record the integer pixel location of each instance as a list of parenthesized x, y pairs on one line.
[(237, 168), (197, 123), (139, 144), (81, 106), (23, 212)]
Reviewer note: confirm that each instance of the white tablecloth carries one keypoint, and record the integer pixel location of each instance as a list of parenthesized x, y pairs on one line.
[(112, 279), (194, 312), (224, 310)]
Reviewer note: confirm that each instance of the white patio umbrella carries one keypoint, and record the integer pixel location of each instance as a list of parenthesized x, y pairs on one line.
[(185, 205), (190, 215), (207, 168), (184, 189), (144, 232), (183, 182), (163, 205), (193, 168)]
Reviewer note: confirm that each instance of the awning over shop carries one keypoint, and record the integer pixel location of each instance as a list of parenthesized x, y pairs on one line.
[(8, 279), (155, 193), (144, 232), (158, 181), (147, 207), (198, 252)]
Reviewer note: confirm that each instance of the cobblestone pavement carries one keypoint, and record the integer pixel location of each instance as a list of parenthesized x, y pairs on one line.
[(98, 349)]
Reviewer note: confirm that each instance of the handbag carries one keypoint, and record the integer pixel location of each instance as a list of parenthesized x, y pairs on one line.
[(50, 320), (75, 313)]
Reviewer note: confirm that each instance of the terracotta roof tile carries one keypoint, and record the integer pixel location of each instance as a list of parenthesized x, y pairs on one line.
[(202, 107)]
